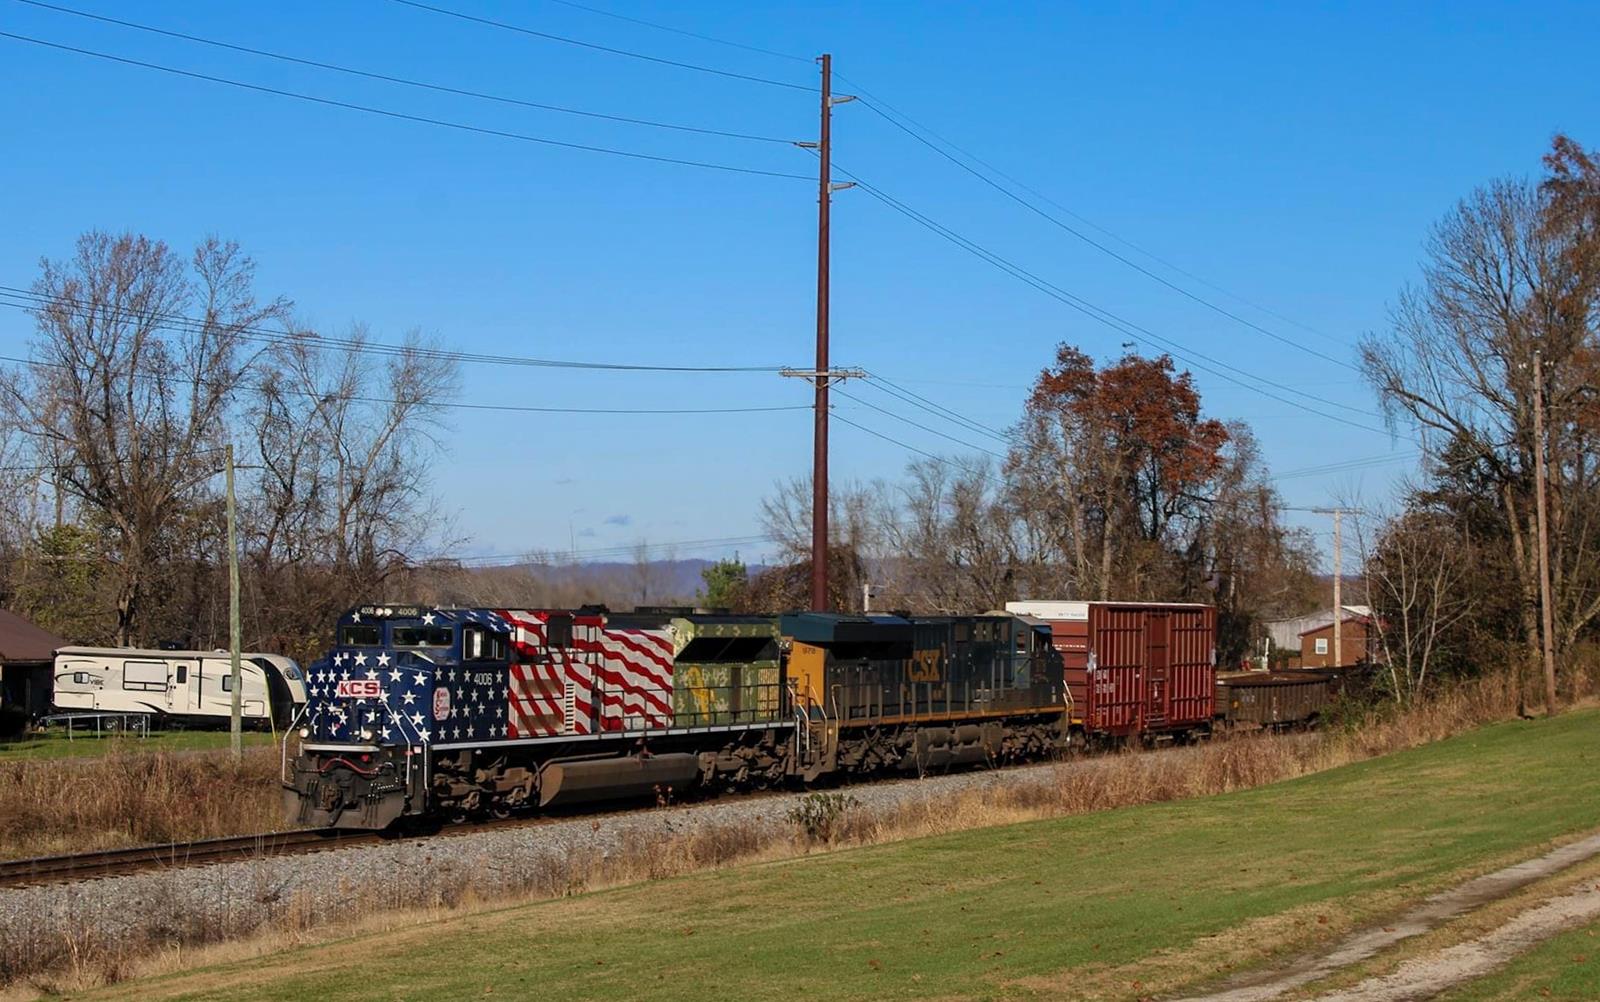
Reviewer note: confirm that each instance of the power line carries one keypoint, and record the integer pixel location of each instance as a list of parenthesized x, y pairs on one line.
[(941, 460), (620, 550), (452, 405), (939, 410), (680, 31), (424, 85), (406, 116), (1347, 466), (548, 36), (914, 424), (1141, 269), (884, 108), (1104, 316), (29, 301)]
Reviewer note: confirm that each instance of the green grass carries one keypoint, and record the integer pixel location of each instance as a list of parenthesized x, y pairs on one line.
[(1563, 968), (1057, 908), (55, 743)]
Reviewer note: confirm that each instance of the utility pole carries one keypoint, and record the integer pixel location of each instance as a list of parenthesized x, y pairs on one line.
[(1338, 588), (1546, 614), (821, 376), (235, 724), (1338, 577)]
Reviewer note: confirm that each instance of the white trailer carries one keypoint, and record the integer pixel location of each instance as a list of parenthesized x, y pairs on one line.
[(192, 687)]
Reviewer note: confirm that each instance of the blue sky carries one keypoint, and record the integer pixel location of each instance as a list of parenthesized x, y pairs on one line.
[(1291, 154)]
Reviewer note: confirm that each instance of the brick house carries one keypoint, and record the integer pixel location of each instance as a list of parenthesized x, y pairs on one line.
[(1316, 644)]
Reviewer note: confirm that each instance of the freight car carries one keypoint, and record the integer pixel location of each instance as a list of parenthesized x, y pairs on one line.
[(1273, 700), (1134, 670), (420, 712)]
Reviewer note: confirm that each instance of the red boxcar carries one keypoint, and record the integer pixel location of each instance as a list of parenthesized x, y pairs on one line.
[(1134, 668)]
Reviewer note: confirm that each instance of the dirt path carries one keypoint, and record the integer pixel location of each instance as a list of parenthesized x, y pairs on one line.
[(1424, 977)]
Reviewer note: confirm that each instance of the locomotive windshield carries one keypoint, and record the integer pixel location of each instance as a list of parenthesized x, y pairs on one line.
[(421, 636), (355, 635)]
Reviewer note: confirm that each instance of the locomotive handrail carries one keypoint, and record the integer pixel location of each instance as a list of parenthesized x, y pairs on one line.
[(289, 732)]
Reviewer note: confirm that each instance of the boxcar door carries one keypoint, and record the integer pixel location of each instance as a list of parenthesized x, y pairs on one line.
[(1158, 664)]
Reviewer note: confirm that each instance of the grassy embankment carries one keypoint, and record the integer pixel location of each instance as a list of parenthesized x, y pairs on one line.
[(1119, 904)]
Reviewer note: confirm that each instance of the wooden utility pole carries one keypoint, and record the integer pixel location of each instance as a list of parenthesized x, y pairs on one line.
[(1546, 613), (1338, 577), (1338, 588), (821, 376), (819, 441), (235, 723)]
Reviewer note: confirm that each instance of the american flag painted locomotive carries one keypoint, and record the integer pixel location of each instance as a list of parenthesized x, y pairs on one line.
[(459, 712)]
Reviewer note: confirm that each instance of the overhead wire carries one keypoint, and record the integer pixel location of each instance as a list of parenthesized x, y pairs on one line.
[(404, 81), (456, 405), (27, 300), (882, 107), (932, 431), (407, 116), (1141, 269), (567, 40), (680, 31), (1105, 317)]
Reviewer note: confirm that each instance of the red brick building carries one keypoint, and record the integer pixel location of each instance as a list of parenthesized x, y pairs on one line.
[(1316, 645)]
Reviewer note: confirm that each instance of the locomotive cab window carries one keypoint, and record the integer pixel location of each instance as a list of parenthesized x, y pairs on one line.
[(480, 645), (421, 636), (357, 635), (558, 631)]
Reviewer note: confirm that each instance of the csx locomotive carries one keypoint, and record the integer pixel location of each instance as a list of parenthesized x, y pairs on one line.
[(449, 713)]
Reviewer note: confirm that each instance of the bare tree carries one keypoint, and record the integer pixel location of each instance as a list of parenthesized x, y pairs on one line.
[(1506, 275), (129, 386), (1417, 572), (343, 443)]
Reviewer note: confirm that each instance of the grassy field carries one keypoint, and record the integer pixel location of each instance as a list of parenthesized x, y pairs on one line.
[(56, 744), (1565, 969), (1120, 904)]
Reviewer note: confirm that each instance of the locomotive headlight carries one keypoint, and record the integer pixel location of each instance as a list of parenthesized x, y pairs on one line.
[(366, 734), (305, 732)]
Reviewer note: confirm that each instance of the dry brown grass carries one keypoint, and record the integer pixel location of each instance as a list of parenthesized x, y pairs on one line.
[(48, 959), (50, 806)]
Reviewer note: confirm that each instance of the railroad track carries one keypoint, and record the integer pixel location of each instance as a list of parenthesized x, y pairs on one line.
[(239, 848), (116, 862)]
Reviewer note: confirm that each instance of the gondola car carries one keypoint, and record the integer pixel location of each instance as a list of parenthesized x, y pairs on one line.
[(420, 712)]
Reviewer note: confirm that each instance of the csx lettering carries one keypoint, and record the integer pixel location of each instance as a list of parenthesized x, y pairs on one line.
[(924, 666)]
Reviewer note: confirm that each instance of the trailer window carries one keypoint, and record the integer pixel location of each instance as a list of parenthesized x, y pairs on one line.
[(227, 682), (421, 636), (144, 676), (359, 636), (183, 674), (80, 678)]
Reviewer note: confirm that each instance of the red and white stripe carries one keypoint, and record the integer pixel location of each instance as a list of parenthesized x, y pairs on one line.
[(619, 679), (633, 678)]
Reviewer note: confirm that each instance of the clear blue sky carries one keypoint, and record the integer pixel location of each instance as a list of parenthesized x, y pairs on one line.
[(1292, 154)]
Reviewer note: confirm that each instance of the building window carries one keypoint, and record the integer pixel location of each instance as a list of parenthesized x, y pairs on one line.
[(1322, 645)]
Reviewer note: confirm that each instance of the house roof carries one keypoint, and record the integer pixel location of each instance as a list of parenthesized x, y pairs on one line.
[(1329, 623), (1286, 633), (20, 640)]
